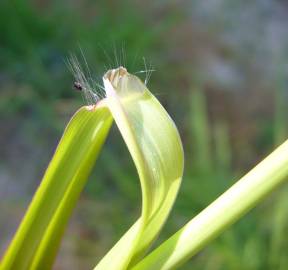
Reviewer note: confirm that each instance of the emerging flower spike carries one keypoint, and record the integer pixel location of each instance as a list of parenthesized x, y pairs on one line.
[(92, 91)]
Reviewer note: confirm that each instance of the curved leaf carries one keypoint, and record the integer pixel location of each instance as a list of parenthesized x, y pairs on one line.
[(155, 146)]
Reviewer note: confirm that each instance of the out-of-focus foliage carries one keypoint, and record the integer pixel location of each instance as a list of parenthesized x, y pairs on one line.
[(229, 57)]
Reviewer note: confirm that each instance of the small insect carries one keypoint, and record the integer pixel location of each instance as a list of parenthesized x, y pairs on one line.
[(90, 90), (78, 86)]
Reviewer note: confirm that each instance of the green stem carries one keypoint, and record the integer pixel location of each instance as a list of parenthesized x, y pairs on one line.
[(223, 212)]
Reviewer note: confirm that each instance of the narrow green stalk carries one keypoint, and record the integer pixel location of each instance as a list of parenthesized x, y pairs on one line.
[(280, 114), (227, 209), (222, 147), (279, 229), (200, 130)]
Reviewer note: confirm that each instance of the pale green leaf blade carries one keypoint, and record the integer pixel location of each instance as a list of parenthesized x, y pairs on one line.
[(37, 239), (155, 146), (219, 215)]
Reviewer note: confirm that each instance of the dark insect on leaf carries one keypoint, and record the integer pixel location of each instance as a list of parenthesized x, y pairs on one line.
[(78, 86)]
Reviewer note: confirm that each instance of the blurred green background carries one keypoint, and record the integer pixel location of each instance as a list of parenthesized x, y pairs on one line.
[(220, 71)]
